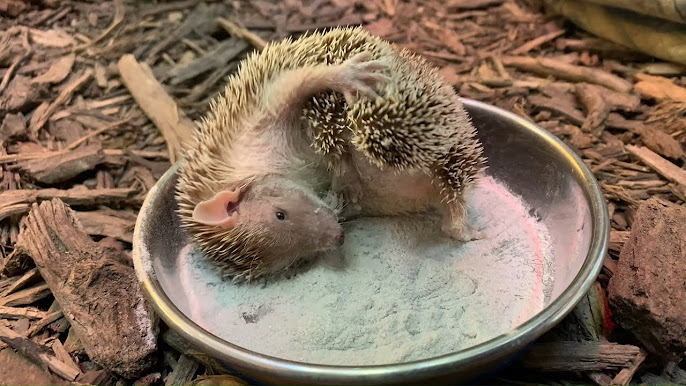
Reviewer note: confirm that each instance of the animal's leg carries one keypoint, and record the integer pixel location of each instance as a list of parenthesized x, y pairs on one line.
[(355, 77), (454, 174), (425, 128)]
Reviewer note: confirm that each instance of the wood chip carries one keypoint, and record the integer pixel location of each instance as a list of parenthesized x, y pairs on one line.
[(218, 57), (40, 120), (18, 313), (101, 224), (16, 369), (72, 344), (179, 344), (472, 4), (13, 125), (59, 70), (562, 70), (26, 296), (63, 355), (173, 123), (84, 277), (63, 167), (661, 143), (567, 110), (617, 240), (74, 196), (199, 18), (580, 356), (659, 164), (21, 96), (183, 373), (51, 38), (451, 40), (38, 353), (44, 322), (659, 88), (29, 277), (530, 45), (239, 31)]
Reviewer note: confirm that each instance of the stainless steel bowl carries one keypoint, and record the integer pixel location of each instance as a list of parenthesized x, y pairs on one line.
[(532, 162)]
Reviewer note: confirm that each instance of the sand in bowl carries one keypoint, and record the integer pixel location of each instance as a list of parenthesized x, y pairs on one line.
[(400, 292)]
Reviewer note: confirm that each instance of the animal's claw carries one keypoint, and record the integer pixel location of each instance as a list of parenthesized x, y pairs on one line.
[(358, 75)]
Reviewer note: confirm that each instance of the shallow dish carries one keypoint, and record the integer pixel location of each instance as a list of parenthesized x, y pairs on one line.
[(533, 163)]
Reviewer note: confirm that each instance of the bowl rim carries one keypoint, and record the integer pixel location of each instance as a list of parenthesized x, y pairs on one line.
[(516, 338)]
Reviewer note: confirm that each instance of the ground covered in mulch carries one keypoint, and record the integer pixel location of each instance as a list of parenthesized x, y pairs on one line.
[(77, 125)]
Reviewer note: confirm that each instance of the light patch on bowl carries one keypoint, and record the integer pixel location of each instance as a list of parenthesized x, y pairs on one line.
[(146, 271), (401, 292)]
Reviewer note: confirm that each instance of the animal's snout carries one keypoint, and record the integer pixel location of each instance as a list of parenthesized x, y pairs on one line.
[(340, 239)]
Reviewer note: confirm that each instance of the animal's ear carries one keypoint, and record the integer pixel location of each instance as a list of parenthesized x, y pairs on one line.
[(220, 210)]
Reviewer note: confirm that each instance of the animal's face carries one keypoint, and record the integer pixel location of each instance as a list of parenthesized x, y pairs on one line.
[(291, 222), (296, 224)]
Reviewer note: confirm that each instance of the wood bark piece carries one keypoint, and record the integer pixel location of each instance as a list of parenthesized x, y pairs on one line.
[(40, 120), (58, 71), (580, 356), (198, 19), (26, 296), (158, 105), (528, 46), (29, 277), (44, 322), (64, 166), (472, 4), (223, 53), (63, 355), (661, 143), (625, 375), (179, 344), (598, 101), (95, 287), (562, 70), (101, 224), (20, 96), (23, 198), (183, 372), (17, 369), (659, 87), (659, 164), (38, 353), (241, 32), (567, 110), (647, 292), (18, 313), (13, 125)]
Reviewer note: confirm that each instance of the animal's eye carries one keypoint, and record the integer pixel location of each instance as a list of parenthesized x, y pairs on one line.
[(280, 215)]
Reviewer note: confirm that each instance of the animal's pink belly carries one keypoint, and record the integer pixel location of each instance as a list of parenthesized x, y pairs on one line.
[(386, 192)]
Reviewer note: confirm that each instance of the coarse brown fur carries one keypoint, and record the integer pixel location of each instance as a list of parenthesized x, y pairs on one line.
[(303, 111)]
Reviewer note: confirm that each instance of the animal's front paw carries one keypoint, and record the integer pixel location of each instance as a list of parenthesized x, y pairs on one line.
[(357, 76)]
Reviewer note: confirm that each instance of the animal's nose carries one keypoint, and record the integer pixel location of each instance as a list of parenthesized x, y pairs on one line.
[(341, 238)]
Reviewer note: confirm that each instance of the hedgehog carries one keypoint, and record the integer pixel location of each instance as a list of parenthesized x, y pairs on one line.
[(313, 131)]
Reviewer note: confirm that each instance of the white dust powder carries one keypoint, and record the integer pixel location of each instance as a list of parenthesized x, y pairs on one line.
[(401, 291)]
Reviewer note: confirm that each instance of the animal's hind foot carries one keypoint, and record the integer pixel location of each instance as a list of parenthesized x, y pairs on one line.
[(455, 223), (358, 75), (461, 232)]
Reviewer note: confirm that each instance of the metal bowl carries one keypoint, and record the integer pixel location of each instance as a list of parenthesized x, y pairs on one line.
[(530, 161)]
